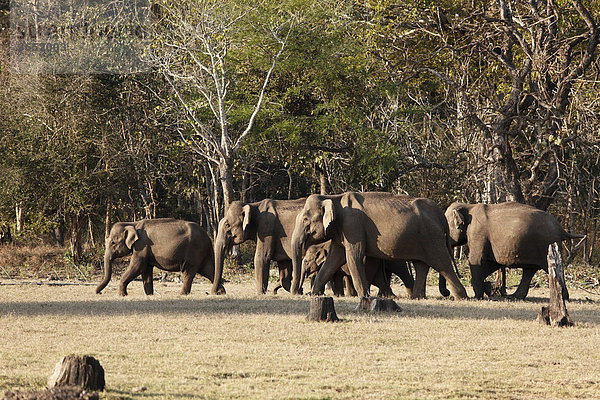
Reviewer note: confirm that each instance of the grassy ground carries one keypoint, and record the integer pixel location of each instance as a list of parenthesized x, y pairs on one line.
[(244, 346)]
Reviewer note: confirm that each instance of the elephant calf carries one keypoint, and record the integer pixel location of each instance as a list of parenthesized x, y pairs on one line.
[(169, 244), (378, 272)]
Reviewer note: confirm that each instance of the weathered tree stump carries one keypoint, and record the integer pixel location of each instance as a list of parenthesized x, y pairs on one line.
[(83, 371), (322, 309), (556, 312), (377, 304)]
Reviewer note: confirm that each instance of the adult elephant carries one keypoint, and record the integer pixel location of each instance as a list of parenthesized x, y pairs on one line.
[(378, 272), (270, 224), (169, 244), (379, 225), (506, 234)]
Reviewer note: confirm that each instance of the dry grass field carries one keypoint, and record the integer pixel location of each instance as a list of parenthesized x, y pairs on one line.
[(244, 346)]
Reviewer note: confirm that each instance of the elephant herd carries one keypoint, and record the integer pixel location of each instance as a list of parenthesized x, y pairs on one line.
[(357, 238)]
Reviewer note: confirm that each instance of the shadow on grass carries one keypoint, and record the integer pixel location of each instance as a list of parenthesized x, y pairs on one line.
[(494, 310), (226, 306)]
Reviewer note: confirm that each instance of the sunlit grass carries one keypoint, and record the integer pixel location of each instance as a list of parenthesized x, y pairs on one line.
[(248, 346)]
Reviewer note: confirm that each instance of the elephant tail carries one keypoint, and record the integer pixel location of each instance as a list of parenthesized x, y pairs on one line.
[(569, 235)]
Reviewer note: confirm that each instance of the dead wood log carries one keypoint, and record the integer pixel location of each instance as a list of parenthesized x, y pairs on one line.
[(322, 309), (377, 304), (556, 312), (83, 371)]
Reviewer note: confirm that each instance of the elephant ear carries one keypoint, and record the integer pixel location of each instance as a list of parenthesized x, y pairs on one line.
[(328, 214), (247, 215), (459, 219), (131, 236)]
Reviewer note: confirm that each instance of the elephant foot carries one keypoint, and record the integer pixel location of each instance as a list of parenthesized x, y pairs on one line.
[(445, 292), (219, 292), (386, 294), (487, 289)]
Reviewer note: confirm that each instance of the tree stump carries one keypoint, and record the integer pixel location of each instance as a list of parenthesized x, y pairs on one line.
[(556, 312), (322, 309), (83, 371), (377, 304)]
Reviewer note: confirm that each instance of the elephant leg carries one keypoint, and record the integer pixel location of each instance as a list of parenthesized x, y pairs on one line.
[(382, 279), (285, 274), (350, 291), (421, 271), (442, 286), (188, 278), (523, 288), (148, 283), (337, 284), (479, 272), (136, 266), (354, 260), (335, 259), (262, 261), (402, 269), (442, 262)]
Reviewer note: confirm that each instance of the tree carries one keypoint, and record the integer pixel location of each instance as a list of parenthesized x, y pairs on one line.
[(197, 44)]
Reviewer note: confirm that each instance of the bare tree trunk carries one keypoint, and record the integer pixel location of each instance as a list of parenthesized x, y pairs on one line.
[(59, 230), (245, 185), (108, 216), (19, 217), (590, 253), (226, 178), (324, 185), (290, 181), (556, 313), (212, 186), (91, 232)]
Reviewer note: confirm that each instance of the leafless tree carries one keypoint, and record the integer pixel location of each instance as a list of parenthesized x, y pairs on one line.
[(194, 42)]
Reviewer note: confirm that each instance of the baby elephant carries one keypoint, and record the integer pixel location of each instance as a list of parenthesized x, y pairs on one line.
[(169, 244)]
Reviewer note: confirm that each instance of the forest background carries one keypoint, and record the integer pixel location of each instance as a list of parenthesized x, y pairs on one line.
[(470, 100)]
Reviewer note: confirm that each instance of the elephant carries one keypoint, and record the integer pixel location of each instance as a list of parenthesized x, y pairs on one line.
[(169, 244), (378, 272), (375, 224), (270, 224), (507, 234)]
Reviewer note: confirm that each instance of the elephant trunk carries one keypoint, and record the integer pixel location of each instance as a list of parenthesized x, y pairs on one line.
[(210, 269), (298, 239), (107, 271), (220, 249)]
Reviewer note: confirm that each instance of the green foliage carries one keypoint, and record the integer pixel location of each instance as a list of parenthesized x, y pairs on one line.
[(374, 95)]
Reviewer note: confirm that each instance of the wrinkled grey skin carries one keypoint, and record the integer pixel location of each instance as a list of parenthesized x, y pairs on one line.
[(270, 224), (378, 272), (169, 244), (506, 234), (378, 225)]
